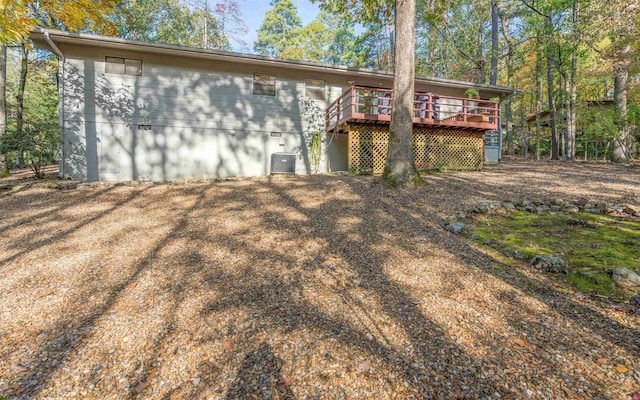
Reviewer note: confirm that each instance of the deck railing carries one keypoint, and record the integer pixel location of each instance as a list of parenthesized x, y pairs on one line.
[(373, 104)]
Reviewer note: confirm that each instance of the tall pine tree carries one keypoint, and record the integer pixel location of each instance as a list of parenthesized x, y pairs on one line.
[(278, 35)]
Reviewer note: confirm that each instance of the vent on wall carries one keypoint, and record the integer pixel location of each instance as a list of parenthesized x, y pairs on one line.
[(283, 163)]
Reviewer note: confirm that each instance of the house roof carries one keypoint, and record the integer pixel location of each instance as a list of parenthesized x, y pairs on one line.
[(545, 115), (603, 102), (57, 36)]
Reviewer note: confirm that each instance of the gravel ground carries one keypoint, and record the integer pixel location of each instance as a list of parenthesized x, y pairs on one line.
[(299, 288)]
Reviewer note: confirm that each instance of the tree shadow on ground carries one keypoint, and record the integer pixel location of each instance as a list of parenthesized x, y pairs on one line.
[(260, 376), (38, 239), (64, 337), (365, 261), (295, 264)]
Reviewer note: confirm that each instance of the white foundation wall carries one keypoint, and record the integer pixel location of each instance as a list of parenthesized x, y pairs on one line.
[(185, 119)]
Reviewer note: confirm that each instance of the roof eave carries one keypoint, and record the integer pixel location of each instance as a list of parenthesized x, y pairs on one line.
[(37, 36)]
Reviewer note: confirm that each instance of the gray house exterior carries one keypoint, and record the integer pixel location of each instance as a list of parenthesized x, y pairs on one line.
[(140, 111)]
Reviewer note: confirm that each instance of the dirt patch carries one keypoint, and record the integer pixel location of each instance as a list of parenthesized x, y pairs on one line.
[(312, 287)]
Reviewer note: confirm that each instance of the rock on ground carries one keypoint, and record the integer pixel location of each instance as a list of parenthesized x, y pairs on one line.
[(627, 279), (549, 263), (455, 227)]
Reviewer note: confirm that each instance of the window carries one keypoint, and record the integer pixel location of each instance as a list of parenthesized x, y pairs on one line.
[(316, 89), (264, 84), (123, 66)]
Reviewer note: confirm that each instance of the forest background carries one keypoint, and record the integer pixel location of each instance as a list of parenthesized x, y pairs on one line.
[(575, 61)]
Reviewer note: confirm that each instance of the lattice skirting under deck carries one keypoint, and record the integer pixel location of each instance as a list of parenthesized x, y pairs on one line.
[(434, 148)]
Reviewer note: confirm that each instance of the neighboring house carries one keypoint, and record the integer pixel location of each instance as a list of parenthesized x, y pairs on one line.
[(144, 111), (545, 116), (545, 119)]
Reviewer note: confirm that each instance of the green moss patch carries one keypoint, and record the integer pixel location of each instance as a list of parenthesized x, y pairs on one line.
[(591, 244)]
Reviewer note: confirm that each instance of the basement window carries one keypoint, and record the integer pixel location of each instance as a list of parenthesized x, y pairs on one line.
[(123, 66), (316, 89), (264, 84)]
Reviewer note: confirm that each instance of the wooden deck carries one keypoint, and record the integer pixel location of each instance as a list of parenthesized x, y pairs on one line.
[(373, 105)]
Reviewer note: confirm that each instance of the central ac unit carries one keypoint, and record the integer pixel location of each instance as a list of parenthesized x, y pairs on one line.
[(283, 163)]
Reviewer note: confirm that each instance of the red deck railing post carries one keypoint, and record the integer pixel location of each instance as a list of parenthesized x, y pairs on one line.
[(464, 110), (354, 94)]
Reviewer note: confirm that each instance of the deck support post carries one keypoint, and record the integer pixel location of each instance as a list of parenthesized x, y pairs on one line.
[(500, 136), (349, 149)]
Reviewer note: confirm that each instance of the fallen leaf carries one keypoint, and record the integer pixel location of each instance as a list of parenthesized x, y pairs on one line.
[(142, 385), (364, 366), (19, 368), (619, 307), (621, 369), (227, 345), (285, 381), (635, 396), (602, 361), (520, 342)]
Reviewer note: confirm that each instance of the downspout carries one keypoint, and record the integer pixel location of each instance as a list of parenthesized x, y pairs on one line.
[(500, 138), (61, 61), (500, 125)]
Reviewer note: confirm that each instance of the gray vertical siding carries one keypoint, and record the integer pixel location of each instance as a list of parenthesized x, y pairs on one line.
[(203, 119), (203, 122)]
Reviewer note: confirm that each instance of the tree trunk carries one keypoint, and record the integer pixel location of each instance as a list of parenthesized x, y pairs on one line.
[(20, 96), (431, 61), (571, 118), (538, 107), (622, 146), (572, 89), (562, 94), (481, 78), (400, 169), (571, 103), (507, 106), (508, 117), (493, 77), (552, 110), (586, 149), (4, 171), (523, 130)]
